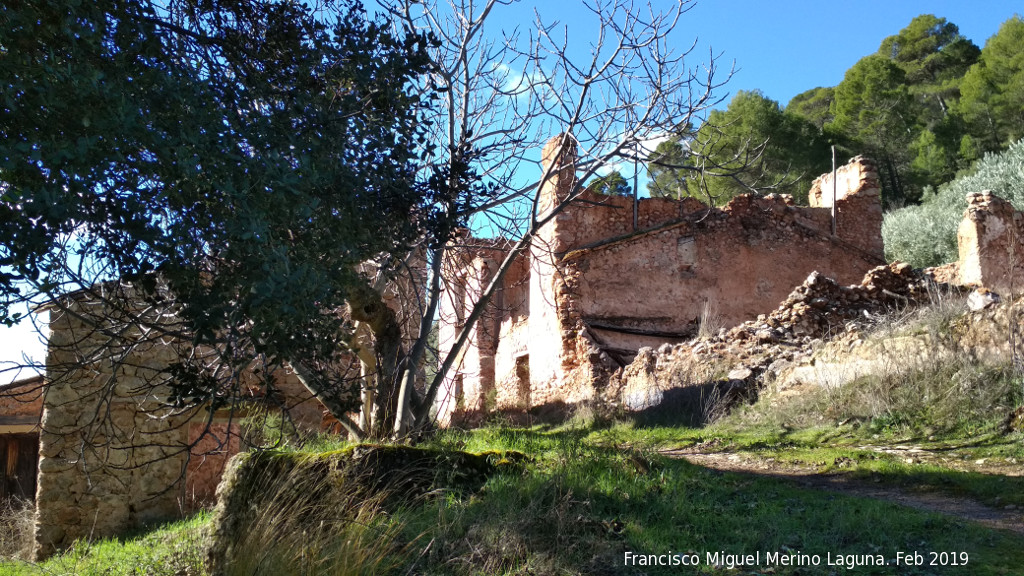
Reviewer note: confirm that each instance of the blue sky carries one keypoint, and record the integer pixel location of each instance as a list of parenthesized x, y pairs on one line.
[(784, 48), (780, 48)]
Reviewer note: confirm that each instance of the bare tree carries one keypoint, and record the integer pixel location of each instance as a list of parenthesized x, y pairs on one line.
[(502, 94)]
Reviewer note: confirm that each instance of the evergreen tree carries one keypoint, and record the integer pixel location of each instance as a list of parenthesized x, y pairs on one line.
[(993, 89)]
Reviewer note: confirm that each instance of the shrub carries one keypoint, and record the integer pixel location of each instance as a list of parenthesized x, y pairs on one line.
[(925, 235), (17, 520)]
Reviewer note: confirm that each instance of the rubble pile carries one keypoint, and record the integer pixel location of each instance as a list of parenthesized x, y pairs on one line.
[(819, 309)]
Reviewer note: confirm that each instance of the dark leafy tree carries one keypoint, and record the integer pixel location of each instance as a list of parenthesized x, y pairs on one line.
[(235, 161), (931, 51), (993, 89), (612, 184)]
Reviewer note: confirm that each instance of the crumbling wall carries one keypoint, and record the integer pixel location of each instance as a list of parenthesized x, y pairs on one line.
[(776, 346), (469, 267), (212, 444), (512, 357), (857, 201), (547, 339), (719, 266), (658, 283), (991, 253), (603, 285)]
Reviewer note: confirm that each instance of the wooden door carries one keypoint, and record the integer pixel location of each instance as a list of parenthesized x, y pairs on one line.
[(19, 464)]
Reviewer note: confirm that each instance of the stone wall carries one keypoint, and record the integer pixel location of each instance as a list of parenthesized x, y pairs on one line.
[(991, 253), (512, 356), (114, 453)]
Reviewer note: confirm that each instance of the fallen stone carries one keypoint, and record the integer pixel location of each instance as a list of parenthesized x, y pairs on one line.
[(981, 299)]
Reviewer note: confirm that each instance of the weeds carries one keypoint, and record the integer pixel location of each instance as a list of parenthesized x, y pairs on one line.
[(17, 521), (301, 514), (710, 320)]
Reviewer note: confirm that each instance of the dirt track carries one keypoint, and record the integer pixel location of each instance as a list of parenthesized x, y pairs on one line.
[(958, 507)]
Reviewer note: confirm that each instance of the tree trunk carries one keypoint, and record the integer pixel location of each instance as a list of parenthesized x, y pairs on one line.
[(367, 306), (405, 417)]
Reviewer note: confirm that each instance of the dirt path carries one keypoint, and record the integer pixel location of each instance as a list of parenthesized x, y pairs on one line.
[(958, 507)]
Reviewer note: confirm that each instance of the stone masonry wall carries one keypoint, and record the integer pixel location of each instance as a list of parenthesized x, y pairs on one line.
[(512, 357), (551, 335), (991, 252), (111, 453)]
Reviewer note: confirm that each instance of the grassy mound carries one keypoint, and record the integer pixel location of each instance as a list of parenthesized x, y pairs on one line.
[(279, 512)]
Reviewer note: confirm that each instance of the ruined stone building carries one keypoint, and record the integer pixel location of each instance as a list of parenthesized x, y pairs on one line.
[(608, 276), (113, 452), (100, 449)]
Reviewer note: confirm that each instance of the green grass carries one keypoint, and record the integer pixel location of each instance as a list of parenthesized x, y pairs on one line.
[(854, 449), (586, 500), (590, 494), (173, 549)]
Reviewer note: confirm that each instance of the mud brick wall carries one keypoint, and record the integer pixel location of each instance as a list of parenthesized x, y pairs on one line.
[(729, 265), (213, 444), (602, 286), (989, 239), (512, 359), (21, 405), (469, 267)]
